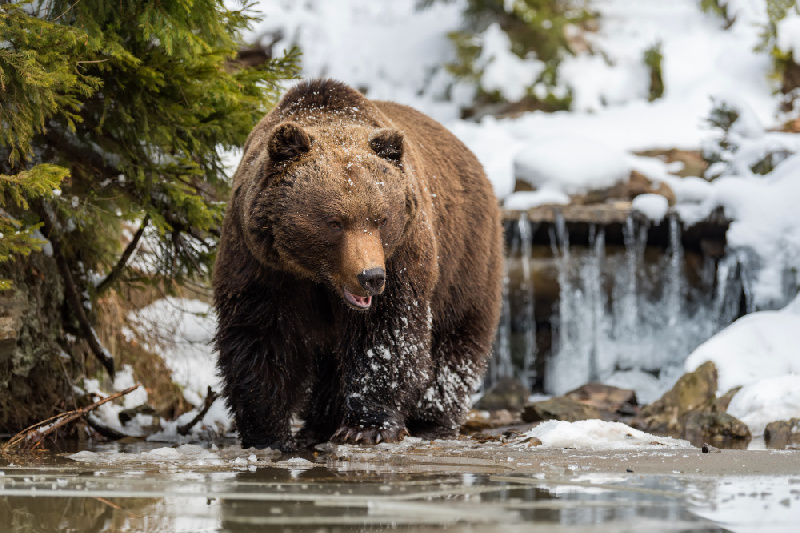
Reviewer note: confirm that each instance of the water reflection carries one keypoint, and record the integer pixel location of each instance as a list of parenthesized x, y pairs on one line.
[(331, 497)]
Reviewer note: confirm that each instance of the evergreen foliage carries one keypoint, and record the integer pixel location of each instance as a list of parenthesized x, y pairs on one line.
[(786, 67), (536, 28), (115, 113)]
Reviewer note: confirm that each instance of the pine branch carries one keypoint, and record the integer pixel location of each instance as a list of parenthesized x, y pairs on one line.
[(123, 260), (73, 296)]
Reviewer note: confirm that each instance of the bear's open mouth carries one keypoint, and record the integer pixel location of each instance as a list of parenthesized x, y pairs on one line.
[(359, 302)]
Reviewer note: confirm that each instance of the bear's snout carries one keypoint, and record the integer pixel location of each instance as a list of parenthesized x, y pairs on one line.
[(372, 280)]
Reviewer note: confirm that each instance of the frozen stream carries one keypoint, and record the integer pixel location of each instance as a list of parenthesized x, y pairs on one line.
[(451, 486)]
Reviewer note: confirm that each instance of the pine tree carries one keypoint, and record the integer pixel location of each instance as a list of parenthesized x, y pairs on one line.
[(115, 113)]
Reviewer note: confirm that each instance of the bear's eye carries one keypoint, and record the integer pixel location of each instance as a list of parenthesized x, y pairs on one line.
[(384, 220), (335, 224)]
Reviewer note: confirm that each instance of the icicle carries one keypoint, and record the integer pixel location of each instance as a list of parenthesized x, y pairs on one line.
[(528, 320)]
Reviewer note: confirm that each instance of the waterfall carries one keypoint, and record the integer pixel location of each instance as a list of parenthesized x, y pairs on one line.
[(624, 314)]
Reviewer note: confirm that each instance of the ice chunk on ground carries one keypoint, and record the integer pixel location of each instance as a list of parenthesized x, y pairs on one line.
[(598, 435)]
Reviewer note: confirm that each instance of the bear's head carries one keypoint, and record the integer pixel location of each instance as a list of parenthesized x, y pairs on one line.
[(331, 204)]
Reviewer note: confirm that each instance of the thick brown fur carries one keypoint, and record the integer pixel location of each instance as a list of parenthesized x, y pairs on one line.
[(335, 193)]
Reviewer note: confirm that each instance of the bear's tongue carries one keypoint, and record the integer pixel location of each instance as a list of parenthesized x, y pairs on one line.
[(358, 301)]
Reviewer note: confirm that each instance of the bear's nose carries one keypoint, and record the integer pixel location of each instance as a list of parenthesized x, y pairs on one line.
[(372, 280)]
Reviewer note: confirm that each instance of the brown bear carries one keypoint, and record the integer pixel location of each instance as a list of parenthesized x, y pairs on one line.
[(358, 278)]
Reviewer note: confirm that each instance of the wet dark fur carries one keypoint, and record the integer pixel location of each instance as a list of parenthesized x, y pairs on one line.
[(287, 342)]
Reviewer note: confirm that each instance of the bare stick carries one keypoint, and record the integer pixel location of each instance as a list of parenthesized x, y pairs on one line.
[(38, 431), (186, 428), (123, 260)]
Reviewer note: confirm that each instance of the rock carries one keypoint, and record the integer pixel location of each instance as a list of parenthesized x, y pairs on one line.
[(639, 184), (606, 398), (693, 391), (478, 420), (561, 408), (721, 404), (781, 433), (708, 424), (507, 393)]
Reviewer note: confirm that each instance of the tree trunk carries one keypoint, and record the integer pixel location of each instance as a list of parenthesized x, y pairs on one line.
[(36, 375)]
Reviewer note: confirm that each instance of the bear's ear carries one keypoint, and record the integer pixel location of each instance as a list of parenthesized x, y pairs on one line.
[(288, 141), (388, 144)]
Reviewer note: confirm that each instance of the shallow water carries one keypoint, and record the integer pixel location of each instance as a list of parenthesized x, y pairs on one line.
[(196, 489)]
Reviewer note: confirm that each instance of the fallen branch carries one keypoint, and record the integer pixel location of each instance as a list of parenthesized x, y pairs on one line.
[(37, 432), (186, 428)]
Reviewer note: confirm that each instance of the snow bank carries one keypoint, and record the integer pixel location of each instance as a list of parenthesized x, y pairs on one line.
[(767, 400), (760, 345), (570, 163), (598, 435), (390, 49), (760, 352), (181, 331)]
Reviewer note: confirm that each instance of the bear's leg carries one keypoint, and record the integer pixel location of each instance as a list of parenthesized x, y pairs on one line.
[(263, 385), (323, 413), (460, 356), (386, 364)]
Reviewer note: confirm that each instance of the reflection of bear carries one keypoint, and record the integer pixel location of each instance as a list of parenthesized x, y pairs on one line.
[(359, 274)]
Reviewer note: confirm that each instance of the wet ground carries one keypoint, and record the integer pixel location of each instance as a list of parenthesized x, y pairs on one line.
[(414, 486)]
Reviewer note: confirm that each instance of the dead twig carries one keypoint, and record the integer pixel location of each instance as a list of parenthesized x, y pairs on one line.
[(73, 295), (37, 432), (186, 428)]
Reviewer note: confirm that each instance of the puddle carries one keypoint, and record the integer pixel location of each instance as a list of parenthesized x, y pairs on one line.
[(193, 488)]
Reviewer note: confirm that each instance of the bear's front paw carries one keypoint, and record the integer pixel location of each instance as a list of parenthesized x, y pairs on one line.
[(359, 435)]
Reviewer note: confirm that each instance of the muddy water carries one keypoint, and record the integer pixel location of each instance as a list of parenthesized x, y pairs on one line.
[(199, 489)]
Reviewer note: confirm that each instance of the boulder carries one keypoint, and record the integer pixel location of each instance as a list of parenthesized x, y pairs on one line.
[(781, 433), (692, 411), (607, 399), (693, 391), (507, 393), (561, 408), (708, 424)]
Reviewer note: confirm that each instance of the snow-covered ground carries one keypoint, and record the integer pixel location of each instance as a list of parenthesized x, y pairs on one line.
[(394, 51)]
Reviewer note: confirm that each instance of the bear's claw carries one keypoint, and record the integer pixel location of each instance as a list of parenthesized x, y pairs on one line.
[(350, 435)]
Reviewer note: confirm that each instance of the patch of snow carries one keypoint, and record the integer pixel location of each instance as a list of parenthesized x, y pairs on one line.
[(181, 330), (788, 34), (403, 62), (648, 387), (598, 435), (570, 163), (653, 206), (523, 200), (767, 400), (503, 71)]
